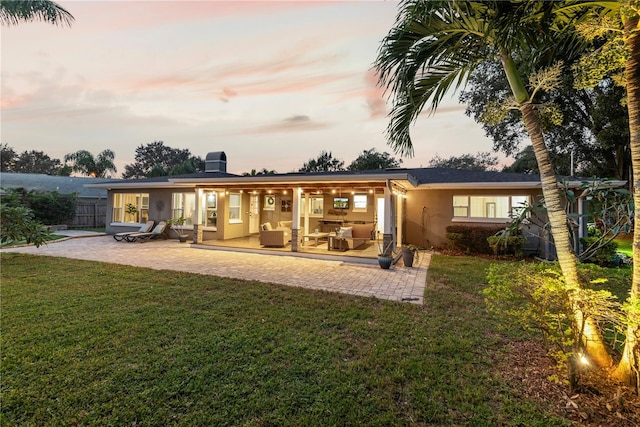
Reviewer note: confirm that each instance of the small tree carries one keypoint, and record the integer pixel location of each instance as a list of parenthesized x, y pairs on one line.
[(17, 224)]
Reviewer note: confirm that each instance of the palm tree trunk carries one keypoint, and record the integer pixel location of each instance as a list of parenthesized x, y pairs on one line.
[(558, 218), (628, 370)]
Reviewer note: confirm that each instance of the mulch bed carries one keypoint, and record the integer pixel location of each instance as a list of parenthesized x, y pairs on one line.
[(597, 402)]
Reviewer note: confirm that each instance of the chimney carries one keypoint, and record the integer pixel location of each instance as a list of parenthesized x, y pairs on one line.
[(216, 162)]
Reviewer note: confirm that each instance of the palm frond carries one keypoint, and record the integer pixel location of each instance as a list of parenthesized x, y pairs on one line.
[(12, 12)]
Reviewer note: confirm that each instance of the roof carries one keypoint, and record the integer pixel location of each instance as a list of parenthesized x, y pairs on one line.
[(61, 184), (431, 178)]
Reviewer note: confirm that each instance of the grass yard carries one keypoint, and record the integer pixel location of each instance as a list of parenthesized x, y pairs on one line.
[(86, 343), (625, 246)]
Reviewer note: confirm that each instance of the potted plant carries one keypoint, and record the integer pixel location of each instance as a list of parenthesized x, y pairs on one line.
[(131, 210), (410, 254), (177, 225), (385, 257)]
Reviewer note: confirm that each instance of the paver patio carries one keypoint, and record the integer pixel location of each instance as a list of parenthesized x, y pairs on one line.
[(339, 275)]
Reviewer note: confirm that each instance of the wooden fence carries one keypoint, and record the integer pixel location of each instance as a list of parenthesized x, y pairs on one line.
[(90, 214)]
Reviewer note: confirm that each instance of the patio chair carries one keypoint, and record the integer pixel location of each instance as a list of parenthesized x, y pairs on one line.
[(144, 229), (156, 233)]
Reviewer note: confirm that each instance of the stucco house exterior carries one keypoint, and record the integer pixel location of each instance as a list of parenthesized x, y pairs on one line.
[(398, 205)]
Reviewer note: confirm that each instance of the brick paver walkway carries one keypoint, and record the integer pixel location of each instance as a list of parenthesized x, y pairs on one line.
[(397, 284)]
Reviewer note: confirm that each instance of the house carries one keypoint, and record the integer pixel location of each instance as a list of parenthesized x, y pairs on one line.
[(393, 205), (91, 201)]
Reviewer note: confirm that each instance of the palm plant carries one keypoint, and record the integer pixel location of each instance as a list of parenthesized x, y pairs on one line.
[(433, 48), (15, 11), (618, 22), (95, 167)]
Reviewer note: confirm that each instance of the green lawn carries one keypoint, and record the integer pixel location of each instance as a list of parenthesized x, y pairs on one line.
[(625, 246), (87, 343)]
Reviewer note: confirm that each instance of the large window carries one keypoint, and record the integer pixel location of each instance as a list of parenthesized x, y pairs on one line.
[(235, 208), (487, 207), (130, 208), (359, 203), (184, 205)]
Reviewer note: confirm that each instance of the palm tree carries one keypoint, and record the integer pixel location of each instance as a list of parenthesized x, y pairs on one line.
[(433, 48), (12, 12), (95, 167)]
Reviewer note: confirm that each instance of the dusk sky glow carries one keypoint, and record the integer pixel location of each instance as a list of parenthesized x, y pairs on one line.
[(270, 83)]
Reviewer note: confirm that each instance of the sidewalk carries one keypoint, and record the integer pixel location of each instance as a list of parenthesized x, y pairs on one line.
[(396, 284)]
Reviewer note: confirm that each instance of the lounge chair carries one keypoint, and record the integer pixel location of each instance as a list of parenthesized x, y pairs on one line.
[(156, 233), (144, 229)]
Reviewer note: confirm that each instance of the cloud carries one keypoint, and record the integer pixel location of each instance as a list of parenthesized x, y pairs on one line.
[(295, 123)]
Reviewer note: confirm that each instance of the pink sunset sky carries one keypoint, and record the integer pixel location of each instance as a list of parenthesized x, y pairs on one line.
[(270, 83)]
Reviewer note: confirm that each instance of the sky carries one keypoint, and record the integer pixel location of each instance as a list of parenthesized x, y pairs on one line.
[(271, 84)]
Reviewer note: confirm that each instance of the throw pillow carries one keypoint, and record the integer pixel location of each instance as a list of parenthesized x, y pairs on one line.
[(346, 232)]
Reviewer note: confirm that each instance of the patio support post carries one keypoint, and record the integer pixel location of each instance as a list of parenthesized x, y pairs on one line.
[(197, 227), (295, 224), (388, 242)]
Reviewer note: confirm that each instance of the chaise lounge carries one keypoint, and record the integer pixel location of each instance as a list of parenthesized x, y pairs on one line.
[(156, 233), (146, 228)]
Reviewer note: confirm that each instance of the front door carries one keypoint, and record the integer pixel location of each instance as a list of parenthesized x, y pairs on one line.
[(254, 214)]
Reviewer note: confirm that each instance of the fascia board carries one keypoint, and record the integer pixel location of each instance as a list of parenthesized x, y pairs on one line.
[(302, 180)]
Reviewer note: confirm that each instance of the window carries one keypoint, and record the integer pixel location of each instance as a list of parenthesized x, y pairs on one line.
[(211, 209), (184, 205), (488, 207), (235, 207), (130, 207), (359, 203), (316, 206)]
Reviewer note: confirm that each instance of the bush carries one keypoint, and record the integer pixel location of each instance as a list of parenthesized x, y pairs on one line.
[(17, 224), (49, 208), (507, 245), (534, 296), (471, 239), (604, 255)]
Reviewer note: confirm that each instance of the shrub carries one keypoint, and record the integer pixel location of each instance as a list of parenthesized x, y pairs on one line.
[(534, 296), (53, 207), (471, 239), (507, 245), (604, 255), (17, 224)]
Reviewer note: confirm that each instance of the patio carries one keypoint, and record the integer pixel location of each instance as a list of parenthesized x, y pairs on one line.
[(322, 271), (368, 252)]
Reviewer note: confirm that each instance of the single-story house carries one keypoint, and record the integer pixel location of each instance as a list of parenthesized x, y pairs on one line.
[(390, 206), (91, 201)]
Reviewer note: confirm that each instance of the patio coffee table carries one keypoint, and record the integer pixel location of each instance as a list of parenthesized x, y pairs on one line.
[(316, 236)]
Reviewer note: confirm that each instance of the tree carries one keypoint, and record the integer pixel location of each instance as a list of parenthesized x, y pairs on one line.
[(35, 162), (17, 224), (594, 129), (263, 171), (157, 159), (434, 46), (481, 162), (95, 167), (619, 24), (371, 159), (15, 11), (525, 162), (324, 163), (7, 157)]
